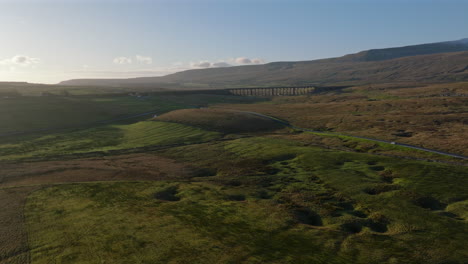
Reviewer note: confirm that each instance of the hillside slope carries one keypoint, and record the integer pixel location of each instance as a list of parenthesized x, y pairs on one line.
[(406, 51), (436, 62)]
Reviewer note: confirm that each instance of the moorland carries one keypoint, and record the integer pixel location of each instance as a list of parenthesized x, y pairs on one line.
[(148, 174)]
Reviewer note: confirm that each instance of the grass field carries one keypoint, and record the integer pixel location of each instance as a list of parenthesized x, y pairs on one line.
[(204, 228), (225, 121), (19, 179), (283, 203), (105, 138), (231, 187), (14, 247), (347, 143), (434, 116), (29, 113)]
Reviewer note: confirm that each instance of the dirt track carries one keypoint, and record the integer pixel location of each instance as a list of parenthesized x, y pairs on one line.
[(13, 239)]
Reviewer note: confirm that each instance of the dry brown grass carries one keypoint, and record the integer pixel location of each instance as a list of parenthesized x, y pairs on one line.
[(220, 120), (436, 122), (411, 90), (126, 167)]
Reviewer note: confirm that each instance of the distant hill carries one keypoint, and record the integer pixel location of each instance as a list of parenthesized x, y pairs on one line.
[(4, 84), (434, 62), (407, 51)]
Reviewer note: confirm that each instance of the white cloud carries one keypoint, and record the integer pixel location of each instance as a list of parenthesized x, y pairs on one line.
[(129, 60), (243, 60), (207, 64), (226, 63), (144, 59), (20, 60), (122, 60), (258, 61)]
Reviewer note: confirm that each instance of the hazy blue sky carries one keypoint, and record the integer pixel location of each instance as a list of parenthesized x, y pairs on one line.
[(48, 41)]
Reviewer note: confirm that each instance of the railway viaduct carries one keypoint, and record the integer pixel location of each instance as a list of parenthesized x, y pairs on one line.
[(272, 91), (281, 91)]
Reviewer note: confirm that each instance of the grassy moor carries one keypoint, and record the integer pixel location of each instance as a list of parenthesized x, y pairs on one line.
[(220, 185), (233, 132)]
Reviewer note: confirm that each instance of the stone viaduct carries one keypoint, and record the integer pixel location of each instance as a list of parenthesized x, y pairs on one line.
[(273, 91)]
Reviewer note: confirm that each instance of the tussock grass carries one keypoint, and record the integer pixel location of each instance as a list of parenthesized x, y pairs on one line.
[(350, 193), (260, 200), (123, 223)]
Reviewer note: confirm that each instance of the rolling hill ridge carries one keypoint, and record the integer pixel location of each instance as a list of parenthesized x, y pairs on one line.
[(434, 62)]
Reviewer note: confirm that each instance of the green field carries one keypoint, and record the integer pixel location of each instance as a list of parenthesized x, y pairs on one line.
[(105, 138), (216, 185), (284, 203), (30, 113), (224, 121), (204, 227)]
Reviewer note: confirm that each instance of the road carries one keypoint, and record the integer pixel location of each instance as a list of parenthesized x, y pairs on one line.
[(358, 137)]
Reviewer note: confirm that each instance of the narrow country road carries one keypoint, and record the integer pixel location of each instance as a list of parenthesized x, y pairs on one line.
[(366, 138)]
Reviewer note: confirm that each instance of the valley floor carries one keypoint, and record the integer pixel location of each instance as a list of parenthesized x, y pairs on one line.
[(219, 186)]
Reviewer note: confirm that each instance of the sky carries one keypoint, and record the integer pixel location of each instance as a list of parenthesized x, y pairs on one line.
[(47, 41)]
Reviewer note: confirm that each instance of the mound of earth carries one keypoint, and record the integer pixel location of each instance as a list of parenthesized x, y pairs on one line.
[(227, 121)]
